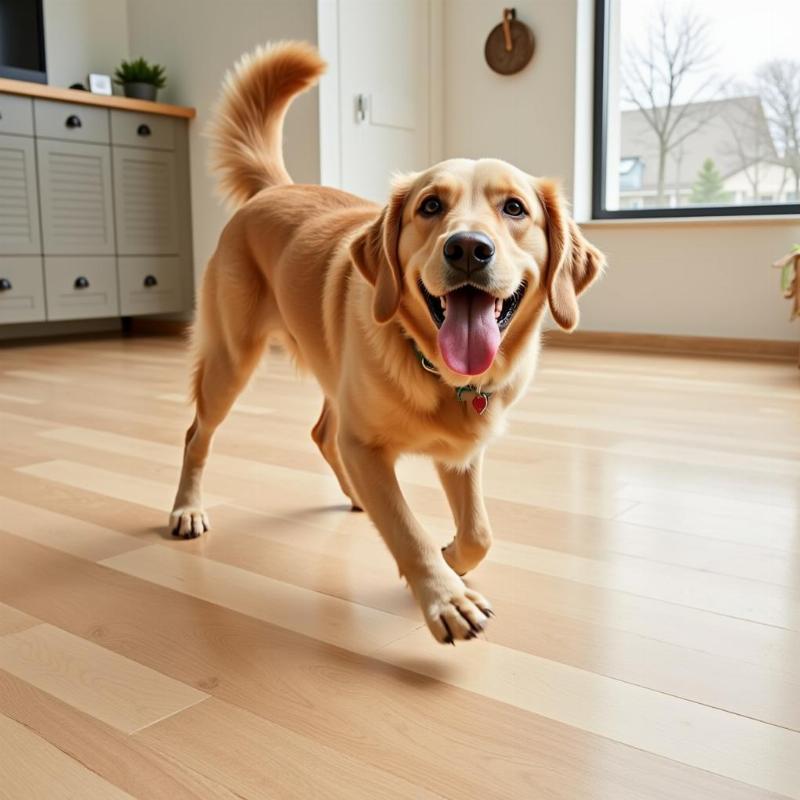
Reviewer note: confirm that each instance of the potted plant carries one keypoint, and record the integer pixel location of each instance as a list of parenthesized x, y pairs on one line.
[(140, 79), (789, 266)]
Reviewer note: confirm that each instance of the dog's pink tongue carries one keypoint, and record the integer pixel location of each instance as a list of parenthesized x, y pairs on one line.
[(469, 336)]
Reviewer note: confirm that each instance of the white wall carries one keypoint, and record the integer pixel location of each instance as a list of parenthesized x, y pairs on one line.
[(83, 36), (684, 278), (197, 41)]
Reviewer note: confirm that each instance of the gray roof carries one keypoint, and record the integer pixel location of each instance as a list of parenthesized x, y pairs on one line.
[(733, 132)]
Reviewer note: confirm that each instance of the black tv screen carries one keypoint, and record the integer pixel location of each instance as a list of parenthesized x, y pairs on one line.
[(22, 40)]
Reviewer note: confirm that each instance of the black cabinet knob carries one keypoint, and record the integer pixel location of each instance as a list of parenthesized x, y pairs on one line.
[(73, 121), (143, 130), (5, 285), (150, 280), (81, 283)]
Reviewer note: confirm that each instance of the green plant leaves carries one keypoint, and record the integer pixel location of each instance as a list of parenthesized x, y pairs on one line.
[(140, 71)]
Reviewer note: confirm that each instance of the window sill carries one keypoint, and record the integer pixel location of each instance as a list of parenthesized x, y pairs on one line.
[(745, 219)]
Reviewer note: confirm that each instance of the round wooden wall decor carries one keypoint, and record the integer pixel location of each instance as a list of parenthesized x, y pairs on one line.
[(510, 45)]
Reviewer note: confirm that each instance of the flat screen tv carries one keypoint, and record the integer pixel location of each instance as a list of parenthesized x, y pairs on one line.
[(22, 40)]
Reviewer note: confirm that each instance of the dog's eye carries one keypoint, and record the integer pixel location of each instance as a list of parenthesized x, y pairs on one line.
[(513, 208), (430, 207)]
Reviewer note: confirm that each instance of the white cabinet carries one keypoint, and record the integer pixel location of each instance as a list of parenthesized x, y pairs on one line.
[(145, 202), (149, 284), (77, 212), (21, 279), (21, 289), (149, 208), (94, 216), (81, 287), (19, 203)]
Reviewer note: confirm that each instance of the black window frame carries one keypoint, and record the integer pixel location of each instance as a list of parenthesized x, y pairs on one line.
[(600, 152)]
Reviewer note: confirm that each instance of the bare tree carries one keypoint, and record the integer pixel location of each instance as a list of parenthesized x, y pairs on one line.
[(778, 84), (655, 76), (749, 148)]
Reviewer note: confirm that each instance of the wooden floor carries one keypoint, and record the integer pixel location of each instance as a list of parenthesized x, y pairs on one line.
[(646, 579)]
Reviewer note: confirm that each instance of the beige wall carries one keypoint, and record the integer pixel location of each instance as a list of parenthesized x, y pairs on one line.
[(706, 279), (695, 279), (527, 118), (197, 41), (83, 36)]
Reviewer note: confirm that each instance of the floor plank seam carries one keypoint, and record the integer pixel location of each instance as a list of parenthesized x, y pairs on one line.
[(721, 709), (171, 713), (400, 638), (66, 753), (379, 650)]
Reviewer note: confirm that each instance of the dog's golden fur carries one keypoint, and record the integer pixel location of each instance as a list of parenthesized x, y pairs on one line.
[(337, 279)]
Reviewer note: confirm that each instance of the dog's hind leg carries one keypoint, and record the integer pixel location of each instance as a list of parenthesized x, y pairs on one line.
[(222, 376), (324, 434), (229, 341)]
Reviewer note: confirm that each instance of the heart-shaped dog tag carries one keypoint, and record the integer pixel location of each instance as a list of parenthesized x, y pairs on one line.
[(480, 402)]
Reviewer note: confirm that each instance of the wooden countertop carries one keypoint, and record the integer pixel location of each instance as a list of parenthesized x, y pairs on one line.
[(87, 98)]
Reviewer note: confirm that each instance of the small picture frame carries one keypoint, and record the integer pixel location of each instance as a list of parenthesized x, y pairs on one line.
[(99, 84)]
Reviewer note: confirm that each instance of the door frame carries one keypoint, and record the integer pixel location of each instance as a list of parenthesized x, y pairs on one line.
[(330, 129)]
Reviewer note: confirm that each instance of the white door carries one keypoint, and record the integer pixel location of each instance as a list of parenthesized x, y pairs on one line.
[(384, 92)]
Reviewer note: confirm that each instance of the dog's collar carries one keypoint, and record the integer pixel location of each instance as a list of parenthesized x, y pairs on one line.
[(480, 401)]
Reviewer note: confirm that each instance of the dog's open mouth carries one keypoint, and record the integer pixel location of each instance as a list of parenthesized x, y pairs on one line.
[(470, 322), (504, 309)]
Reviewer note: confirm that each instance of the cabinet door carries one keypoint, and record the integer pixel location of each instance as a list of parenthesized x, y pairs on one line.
[(149, 285), (134, 129), (21, 289), (75, 190), (19, 207), (70, 122), (16, 115), (81, 287), (145, 202)]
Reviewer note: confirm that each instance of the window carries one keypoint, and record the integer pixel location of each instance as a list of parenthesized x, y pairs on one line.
[(697, 108)]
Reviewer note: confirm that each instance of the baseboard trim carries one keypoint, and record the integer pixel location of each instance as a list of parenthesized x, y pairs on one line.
[(773, 349), (18, 332), (778, 350), (147, 326)]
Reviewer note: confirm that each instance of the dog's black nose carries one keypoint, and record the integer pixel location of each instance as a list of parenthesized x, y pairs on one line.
[(469, 251)]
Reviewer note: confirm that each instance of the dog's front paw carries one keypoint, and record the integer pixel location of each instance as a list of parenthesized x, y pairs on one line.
[(188, 522), (468, 548), (462, 559), (452, 611)]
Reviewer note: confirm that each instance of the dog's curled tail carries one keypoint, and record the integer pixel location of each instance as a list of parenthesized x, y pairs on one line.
[(247, 129)]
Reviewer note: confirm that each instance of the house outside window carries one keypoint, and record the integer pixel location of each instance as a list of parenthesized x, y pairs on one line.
[(697, 110)]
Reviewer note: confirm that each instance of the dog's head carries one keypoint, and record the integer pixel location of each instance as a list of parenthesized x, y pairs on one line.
[(467, 253)]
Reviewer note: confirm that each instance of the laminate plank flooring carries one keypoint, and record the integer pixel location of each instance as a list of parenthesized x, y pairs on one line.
[(646, 578)]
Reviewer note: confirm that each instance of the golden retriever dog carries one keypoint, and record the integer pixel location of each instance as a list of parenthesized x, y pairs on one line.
[(420, 320)]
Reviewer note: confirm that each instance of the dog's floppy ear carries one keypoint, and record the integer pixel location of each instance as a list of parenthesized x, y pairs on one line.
[(374, 252), (573, 262)]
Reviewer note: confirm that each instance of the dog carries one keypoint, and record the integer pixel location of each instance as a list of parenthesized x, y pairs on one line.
[(420, 320)]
